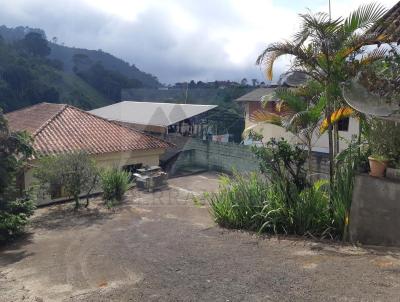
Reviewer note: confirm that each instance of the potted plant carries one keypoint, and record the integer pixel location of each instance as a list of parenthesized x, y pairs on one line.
[(380, 139), (377, 164)]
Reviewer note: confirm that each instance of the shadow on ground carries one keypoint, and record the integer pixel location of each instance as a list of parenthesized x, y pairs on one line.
[(63, 216), (13, 251)]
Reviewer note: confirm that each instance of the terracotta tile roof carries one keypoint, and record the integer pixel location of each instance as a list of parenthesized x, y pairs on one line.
[(31, 118), (58, 128), (389, 25)]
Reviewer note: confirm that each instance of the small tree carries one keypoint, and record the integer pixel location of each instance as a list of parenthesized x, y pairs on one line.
[(15, 204), (75, 173)]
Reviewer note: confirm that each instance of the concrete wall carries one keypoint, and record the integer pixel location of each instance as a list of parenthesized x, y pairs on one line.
[(375, 211), (227, 157), (224, 157)]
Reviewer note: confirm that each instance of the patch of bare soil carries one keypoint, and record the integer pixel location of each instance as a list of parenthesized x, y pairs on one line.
[(163, 247)]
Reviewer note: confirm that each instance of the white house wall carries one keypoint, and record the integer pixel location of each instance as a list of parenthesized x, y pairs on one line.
[(321, 143)]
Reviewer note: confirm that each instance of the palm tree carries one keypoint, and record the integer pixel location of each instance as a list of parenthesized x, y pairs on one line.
[(298, 111), (328, 50)]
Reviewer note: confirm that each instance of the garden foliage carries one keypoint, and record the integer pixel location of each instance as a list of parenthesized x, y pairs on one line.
[(114, 183), (16, 205), (74, 174), (281, 199)]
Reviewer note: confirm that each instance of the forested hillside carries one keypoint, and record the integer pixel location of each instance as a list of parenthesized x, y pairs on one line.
[(34, 70)]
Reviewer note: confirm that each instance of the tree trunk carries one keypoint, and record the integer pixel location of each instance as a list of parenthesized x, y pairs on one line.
[(309, 160), (336, 140), (331, 156), (76, 198), (359, 136)]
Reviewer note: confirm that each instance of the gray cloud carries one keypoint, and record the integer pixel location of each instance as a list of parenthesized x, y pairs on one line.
[(176, 40)]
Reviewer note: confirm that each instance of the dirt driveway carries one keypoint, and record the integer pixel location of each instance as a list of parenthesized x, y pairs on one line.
[(163, 247)]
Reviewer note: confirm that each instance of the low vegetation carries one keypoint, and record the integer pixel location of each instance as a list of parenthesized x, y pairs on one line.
[(114, 184), (75, 175), (281, 199)]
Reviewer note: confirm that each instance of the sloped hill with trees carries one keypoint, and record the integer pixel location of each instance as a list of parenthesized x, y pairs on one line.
[(34, 70)]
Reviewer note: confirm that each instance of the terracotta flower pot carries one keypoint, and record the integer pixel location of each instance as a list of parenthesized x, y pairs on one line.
[(378, 167)]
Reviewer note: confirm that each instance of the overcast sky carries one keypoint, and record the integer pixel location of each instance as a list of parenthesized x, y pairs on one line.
[(176, 40)]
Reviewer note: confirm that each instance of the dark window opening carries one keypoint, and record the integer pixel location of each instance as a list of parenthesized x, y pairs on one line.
[(343, 124), (132, 169)]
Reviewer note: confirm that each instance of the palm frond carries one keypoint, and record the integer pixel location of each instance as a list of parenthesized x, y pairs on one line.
[(262, 116), (320, 24), (290, 99), (317, 109), (276, 50), (376, 54), (363, 17), (336, 116)]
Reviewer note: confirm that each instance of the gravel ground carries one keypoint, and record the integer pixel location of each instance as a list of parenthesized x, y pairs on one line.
[(164, 247)]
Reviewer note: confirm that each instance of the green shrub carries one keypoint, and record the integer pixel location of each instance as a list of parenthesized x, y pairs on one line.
[(308, 215), (311, 213), (250, 202), (239, 199), (283, 165), (383, 139), (282, 201), (16, 205), (347, 163), (114, 183), (14, 217)]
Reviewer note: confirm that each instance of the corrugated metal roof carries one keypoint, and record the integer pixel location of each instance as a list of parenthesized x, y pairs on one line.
[(256, 95), (58, 128), (148, 113)]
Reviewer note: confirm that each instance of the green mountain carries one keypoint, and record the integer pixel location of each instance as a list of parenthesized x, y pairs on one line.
[(34, 70), (66, 55)]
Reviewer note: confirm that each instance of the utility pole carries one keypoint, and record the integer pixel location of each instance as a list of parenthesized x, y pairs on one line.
[(186, 92), (330, 12)]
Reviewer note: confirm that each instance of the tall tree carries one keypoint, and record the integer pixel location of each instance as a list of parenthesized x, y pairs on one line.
[(36, 44), (326, 49)]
